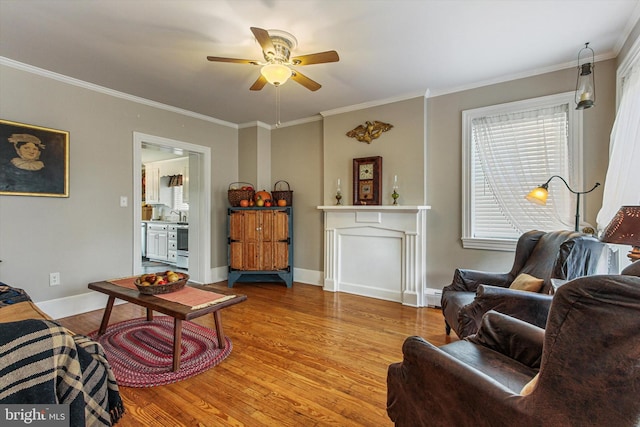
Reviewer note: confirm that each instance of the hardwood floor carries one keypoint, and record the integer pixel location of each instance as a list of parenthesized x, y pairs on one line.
[(301, 357)]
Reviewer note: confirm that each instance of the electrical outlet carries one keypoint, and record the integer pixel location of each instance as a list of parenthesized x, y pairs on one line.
[(54, 279), (124, 201)]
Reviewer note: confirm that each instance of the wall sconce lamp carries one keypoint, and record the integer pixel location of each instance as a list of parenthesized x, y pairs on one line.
[(585, 85), (624, 229), (539, 196)]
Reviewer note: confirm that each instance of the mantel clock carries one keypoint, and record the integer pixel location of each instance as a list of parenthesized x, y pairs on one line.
[(367, 180)]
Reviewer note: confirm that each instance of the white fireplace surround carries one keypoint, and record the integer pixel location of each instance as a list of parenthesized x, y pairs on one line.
[(376, 251)]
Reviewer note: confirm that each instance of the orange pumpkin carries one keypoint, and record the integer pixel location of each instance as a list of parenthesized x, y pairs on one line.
[(282, 202), (264, 195)]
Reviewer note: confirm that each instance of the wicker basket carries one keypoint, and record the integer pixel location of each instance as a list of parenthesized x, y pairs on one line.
[(162, 289), (236, 195), (287, 194)]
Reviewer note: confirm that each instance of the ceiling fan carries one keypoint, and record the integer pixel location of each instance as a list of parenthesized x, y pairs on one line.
[(276, 49)]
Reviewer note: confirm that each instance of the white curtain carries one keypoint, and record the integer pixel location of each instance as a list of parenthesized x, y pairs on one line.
[(622, 184), (519, 151)]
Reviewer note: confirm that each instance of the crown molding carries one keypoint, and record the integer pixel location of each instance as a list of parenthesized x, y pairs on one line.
[(375, 103), (106, 91), (510, 77), (256, 123), (304, 120)]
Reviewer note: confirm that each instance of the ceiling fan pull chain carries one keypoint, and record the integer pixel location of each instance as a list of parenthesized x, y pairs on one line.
[(278, 106)]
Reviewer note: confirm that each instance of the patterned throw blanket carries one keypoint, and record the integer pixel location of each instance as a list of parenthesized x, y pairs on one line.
[(42, 362)]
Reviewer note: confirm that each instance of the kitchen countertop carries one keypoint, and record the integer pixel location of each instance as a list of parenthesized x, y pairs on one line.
[(159, 221)]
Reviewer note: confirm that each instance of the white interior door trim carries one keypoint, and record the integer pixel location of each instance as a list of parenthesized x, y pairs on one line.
[(199, 219)]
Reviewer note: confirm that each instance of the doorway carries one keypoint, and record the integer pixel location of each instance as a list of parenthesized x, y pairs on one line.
[(199, 191)]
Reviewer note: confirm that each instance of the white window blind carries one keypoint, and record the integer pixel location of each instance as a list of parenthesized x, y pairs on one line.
[(510, 149), (178, 200)]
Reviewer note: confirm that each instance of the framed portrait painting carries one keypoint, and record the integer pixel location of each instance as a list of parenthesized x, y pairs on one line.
[(34, 160), (367, 180)]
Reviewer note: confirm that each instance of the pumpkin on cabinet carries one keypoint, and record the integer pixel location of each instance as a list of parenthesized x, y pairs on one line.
[(262, 194)]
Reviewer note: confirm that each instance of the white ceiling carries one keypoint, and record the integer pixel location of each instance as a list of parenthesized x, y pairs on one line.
[(389, 49)]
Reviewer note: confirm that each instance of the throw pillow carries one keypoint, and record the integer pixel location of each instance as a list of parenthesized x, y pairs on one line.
[(528, 387), (526, 282)]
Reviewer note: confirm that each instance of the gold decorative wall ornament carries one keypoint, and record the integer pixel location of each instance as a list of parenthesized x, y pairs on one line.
[(369, 131)]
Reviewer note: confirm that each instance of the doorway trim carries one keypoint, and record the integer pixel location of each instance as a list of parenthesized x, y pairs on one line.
[(199, 219)]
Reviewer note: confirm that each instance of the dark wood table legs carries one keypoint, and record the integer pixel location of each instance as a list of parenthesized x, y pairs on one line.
[(177, 343), (179, 312), (106, 315), (219, 331)]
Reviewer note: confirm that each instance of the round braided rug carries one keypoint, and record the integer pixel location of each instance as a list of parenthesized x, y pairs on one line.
[(141, 352)]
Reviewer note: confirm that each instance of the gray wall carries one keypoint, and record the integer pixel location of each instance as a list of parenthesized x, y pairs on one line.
[(296, 157), (436, 181), (402, 150), (444, 171), (88, 237), (248, 152)]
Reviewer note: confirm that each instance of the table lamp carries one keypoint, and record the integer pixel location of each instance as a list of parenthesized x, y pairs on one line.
[(624, 229)]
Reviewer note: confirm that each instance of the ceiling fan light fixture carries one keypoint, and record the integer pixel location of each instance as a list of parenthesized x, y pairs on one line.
[(276, 74)]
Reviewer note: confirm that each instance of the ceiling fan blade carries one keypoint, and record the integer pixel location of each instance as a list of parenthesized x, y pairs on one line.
[(259, 84), (305, 81), (316, 58), (264, 39), (232, 60)]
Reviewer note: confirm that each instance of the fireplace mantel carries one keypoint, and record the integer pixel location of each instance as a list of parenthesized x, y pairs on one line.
[(381, 208), (376, 251)]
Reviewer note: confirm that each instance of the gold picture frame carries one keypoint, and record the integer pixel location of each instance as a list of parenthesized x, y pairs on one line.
[(367, 181), (34, 160)]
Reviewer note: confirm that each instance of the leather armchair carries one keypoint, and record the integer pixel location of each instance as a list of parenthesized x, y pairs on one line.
[(559, 254), (586, 361)]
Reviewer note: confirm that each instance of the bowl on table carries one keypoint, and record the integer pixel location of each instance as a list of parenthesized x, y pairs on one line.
[(162, 288)]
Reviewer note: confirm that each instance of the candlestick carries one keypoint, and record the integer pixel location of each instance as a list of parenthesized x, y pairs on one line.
[(395, 196)]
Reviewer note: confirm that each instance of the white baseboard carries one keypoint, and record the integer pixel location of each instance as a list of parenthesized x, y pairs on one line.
[(309, 277), (219, 274), (75, 304), (432, 297), (83, 303)]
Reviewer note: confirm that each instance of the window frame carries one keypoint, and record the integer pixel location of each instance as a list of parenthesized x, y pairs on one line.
[(575, 146)]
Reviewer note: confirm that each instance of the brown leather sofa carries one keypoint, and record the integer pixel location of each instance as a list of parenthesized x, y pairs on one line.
[(586, 360), (559, 254)]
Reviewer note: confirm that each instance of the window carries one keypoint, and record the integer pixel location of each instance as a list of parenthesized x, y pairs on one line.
[(178, 199), (624, 149), (508, 150)]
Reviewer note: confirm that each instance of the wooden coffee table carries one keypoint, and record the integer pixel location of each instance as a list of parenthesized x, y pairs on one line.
[(178, 311)]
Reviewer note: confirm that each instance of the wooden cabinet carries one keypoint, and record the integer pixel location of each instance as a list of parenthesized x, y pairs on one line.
[(152, 183), (172, 244), (260, 244), (157, 242)]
